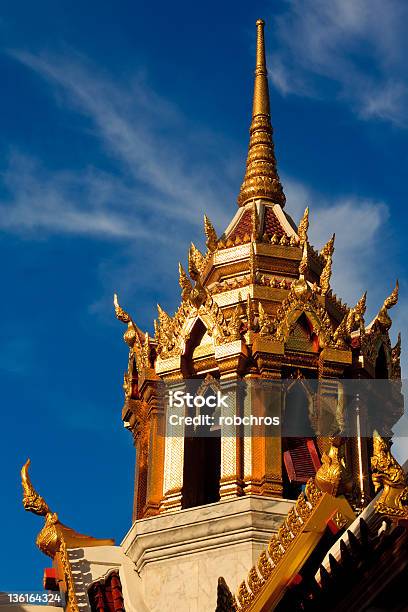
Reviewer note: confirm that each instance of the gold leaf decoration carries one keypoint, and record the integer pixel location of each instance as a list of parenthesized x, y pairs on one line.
[(211, 234), (303, 226), (185, 283), (328, 249)]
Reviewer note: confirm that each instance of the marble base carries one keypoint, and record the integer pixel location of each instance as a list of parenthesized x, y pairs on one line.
[(180, 556)]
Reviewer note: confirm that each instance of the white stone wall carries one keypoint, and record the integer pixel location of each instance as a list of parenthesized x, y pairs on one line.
[(179, 556)]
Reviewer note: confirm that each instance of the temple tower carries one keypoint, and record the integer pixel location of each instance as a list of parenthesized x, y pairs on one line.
[(222, 502), (256, 306)]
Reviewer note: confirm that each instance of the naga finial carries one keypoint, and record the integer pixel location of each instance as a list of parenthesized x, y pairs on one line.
[(32, 501), (193, 267), (361, 305), (120, 314), (387, 473), (328, 249), (383, 317), (130, 335), (197, 257), (185, 283), (303, 226), (350, 322), (211, 234)]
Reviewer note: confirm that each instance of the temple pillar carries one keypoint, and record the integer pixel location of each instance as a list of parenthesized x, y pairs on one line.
[(230, 359)]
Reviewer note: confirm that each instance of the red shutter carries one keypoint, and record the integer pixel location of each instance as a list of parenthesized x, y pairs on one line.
[(106, 594), (301, 459)]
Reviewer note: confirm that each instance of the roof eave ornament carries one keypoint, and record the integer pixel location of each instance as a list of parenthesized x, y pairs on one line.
[(261, 177)]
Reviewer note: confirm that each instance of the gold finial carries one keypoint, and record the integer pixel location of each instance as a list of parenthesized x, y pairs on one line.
[(328, 249), (121, 314), (392, 299), (130, 336), (210, 234), (303, 226), (383, 317), (361, 305), (185, 283), (261, 177), (32, 501), (195, 262)]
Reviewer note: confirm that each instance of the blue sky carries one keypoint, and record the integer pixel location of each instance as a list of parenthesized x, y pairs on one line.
[(120, 125)]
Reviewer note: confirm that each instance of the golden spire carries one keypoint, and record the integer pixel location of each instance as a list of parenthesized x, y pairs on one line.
[(261, 178)]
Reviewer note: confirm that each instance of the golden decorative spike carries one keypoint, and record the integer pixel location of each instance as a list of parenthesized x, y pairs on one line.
[(328, 249), (185, 283), (361, 305), (32, 501), (387, 473), (383, 317), (197, 256), (303, 226), (392, 299), (261, 177), (326, 275), (121, 314), (163, 316), (211, 234), (130, 336), (350, 322), (193, 270)]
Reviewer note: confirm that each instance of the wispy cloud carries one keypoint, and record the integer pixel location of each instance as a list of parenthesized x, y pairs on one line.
[(357, 222), (352, 50), (162, 181), (156, 178)]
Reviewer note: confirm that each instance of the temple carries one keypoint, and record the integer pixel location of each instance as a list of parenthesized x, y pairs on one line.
[(313, 517)]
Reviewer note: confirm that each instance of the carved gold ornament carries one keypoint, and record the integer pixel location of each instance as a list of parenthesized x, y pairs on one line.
[(383, 317), (388, 474), (301, 521), (328, 249), (303, 226), (211, 234), (55, 538), (329, 476), (350, 322)]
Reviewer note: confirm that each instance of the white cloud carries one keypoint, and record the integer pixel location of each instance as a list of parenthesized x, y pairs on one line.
[(357, 222), (157, 180), (353, 50)]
